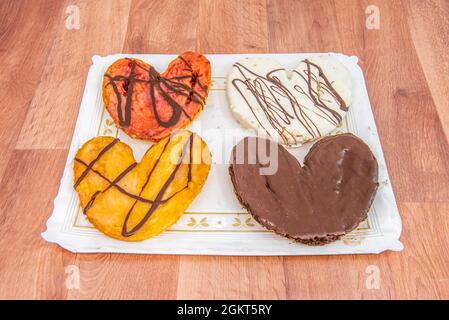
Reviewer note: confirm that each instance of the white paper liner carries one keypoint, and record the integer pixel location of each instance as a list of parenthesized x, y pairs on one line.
[(215, 223)]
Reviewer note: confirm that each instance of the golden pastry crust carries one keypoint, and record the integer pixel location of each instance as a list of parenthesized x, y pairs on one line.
[(134, 201), (148, 105)]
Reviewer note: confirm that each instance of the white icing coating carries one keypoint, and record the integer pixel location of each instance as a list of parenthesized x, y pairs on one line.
[(264, 96)]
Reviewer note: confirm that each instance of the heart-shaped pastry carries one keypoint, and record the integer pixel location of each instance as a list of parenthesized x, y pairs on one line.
[(291, 109), (134, 201), (148, 105), (315, 203)]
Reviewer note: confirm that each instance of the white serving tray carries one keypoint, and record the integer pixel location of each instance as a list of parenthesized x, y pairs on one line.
[(215, 223)]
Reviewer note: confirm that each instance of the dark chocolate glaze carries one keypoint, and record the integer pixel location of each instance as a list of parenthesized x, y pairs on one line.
[(316, 203), (165, 86), (266, 89)]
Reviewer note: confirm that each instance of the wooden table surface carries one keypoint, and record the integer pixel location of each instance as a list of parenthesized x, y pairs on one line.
[(44, 68)]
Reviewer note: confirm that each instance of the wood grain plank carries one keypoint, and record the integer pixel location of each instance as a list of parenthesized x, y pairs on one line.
[(338, 277), (231, 278), (162, 26), (120, 276), (413, 141), (30, 268), (423, 264), (428, 22), (302, 26), (53, 111), (232, 26), (26, 35)]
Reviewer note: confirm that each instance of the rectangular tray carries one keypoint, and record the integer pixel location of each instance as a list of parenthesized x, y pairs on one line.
[(215, 223)]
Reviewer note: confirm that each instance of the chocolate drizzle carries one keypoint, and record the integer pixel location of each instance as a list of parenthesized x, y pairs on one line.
[(90, 165), (156, 83), (111, 183), (159, 199), (114, 183), (268, 91)]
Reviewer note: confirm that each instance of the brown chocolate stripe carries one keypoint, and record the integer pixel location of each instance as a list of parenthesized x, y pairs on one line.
[(91, 164), (112, 184), (158, 200)]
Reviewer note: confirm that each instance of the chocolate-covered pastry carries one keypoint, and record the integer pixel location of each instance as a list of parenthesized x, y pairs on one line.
[(316, 203)]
